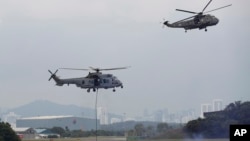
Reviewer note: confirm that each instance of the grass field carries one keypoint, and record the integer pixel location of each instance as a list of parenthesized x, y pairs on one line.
[(121, 139)]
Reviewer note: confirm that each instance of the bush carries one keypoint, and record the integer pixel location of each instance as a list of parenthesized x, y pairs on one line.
[(7, 134)]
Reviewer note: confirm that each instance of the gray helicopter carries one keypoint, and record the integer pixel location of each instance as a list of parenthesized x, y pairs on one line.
[(199, 20), (94, 80)]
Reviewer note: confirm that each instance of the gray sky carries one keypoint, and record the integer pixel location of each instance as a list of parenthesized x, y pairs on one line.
[(170, 68)]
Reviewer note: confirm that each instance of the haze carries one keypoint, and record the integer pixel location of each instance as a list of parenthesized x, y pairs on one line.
[(170, 68)]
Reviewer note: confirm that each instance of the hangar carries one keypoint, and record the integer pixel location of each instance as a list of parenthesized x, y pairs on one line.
[(66, 122)]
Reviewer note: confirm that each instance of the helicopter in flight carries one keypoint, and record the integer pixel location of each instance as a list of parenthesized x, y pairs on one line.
[(200, 20), (94, 80)]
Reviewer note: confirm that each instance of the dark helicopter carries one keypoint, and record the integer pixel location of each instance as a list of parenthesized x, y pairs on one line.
[(201, 20)]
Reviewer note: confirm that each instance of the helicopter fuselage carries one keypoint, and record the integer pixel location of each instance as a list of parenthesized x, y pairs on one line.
[(197, 22), (92, 81)]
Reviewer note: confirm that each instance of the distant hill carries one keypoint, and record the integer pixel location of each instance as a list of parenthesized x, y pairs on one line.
[(47, 108)]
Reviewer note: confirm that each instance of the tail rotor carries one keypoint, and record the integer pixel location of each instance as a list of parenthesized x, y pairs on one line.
[(52, 74), (163, 22)]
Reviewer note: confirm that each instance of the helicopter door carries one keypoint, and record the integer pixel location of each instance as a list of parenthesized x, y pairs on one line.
[(97, 81)]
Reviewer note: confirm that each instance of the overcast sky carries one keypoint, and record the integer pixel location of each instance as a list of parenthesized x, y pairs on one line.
[(170, 68)]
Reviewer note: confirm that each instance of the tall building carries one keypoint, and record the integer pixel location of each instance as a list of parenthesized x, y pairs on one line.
[(217, 105), (102, 115), (11, 118), (205, 108)]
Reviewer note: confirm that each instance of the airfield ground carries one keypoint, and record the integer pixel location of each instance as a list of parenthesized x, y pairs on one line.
[(121, 139)]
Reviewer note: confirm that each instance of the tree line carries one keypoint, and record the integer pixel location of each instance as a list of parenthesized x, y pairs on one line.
[(214, 125), (217, 124)]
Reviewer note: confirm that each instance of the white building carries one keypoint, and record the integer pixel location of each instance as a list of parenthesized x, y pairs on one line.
[(217, 105), (115, 120), (102, 115), (66, 122), (11, 118), (205, 108)]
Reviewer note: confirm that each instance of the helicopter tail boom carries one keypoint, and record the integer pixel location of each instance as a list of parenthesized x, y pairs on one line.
[(168, 24), (173, 25)]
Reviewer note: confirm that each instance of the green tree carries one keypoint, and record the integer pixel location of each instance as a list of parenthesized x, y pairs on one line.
[(139, 129), (162, 127), (6, 133), (217, 124), (150, 131)]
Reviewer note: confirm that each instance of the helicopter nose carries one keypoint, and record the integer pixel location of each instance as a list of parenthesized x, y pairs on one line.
[(216, 20)]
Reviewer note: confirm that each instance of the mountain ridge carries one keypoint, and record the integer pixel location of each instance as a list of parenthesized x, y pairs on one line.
[(48, 108)]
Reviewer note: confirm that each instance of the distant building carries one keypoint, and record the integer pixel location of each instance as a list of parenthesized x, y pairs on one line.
[(46, 133), (217, 105), (11, 118), (205, 108), (25, 132), (102, 115), (158, 116), (65, 122), (31, 133), (115, 120)]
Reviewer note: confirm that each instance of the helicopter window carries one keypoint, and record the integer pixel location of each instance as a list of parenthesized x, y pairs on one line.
[(83, 82), (105, 81)]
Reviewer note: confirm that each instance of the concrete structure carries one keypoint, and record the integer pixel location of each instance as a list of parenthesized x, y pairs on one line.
[(66, 122)]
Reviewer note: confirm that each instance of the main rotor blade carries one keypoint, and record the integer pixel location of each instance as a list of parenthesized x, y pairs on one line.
[(206, 6), (185, 19), (186, 11), (218, 8), (95, 69), (74, 69), (114, 68), (98, 69)]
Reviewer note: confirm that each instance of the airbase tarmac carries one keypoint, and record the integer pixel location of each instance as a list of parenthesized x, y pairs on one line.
[(120, 139)]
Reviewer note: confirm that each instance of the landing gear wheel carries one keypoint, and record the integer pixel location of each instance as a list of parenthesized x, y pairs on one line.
[(113, 90), (94, 89), (88, 90), (121, 86), (205, 29)]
